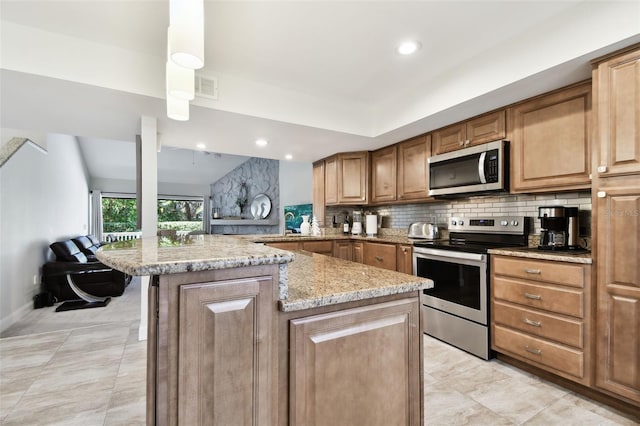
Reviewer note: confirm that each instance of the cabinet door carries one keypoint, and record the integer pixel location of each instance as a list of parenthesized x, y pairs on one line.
[(331, 180), (284, 245), (353, 174), (413, 178), (550, 141), (486, 128), (449, 138), (322, 247), (343, 250), (616, 86), (617, 201), (318, 192), (358, 252), (357, 367), (404, 261), (380, 255), (383, 174), (224, 349)]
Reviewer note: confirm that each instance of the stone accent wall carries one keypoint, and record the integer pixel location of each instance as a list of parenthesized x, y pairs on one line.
[(262, 177)]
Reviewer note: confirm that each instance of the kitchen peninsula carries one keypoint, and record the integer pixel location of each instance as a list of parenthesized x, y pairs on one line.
[(245, 333)]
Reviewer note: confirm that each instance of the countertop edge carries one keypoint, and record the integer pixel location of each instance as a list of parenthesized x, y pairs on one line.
[(584, 258)]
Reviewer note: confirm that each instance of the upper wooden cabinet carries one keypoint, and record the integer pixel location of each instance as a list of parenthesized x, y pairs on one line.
[(347, 178), (616, 84), (550, 141), (318, 192), (384, 174), (413, 178), (482, 129)]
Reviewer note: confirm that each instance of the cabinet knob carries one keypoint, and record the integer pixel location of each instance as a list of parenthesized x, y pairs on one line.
[(467, 142), (602, 169), (533, 350), (461, 143), (379, 259), (602, 194)]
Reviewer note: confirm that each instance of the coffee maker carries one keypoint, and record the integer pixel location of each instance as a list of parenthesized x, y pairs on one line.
[(559, 228)]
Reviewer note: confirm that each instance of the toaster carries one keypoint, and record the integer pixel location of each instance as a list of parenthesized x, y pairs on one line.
[(423, 230)]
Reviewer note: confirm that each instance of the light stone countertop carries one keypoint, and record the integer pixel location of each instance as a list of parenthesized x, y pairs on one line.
[(316, 280), (534, 253), (389, 239)]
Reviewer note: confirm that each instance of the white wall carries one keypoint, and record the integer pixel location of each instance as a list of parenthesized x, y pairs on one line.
[(296, 186), (44, 197), (164, 188)]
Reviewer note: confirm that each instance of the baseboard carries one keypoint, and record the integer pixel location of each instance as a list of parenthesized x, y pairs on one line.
[(142, 332), (15, 316)]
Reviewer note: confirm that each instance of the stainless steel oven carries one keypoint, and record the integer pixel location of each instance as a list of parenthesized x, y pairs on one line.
[(456, 309)]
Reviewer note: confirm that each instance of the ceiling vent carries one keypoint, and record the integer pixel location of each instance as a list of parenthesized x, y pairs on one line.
[(206, 87)]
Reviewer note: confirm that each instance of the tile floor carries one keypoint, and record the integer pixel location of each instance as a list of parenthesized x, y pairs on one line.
[(94, 374)]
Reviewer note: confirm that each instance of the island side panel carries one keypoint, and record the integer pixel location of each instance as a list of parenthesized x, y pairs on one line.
[(191, 303)]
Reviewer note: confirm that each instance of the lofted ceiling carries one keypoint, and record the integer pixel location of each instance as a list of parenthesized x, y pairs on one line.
[(312, 77)]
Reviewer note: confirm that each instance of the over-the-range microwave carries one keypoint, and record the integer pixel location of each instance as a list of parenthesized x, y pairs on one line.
[(479, 169)]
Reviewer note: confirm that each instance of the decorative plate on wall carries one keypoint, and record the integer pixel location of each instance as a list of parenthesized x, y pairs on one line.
[(260, 206)]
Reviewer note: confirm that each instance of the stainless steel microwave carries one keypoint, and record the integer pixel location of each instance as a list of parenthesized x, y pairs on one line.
[(476, 170)]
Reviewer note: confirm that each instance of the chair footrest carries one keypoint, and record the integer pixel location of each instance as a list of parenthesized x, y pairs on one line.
[(71, 305)]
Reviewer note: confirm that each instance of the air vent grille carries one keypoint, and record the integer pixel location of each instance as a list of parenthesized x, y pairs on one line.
[(206, 87)]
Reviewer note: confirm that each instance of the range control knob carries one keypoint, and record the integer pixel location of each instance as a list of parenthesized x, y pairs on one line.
[(504, 223), (514, 222), (453, 222), (461, 222)]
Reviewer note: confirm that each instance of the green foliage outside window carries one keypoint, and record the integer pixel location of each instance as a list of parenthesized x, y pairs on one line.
[(119, 215)]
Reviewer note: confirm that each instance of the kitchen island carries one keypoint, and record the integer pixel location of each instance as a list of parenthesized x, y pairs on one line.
[(241, 333)]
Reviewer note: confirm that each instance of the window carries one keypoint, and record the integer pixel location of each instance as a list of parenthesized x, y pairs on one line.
[(180, 213), (119, 213)]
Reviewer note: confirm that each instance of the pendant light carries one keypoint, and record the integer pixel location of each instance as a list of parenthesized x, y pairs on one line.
[(186, 39), (180, 80), (177, 109)]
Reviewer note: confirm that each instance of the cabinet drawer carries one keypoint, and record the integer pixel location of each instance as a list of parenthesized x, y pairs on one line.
[(566, 360), (553, 299), (323, 247), (380, 255), (536, 270), (552, 327)]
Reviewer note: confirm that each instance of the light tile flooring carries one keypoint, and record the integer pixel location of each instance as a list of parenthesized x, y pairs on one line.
[(88, 368)]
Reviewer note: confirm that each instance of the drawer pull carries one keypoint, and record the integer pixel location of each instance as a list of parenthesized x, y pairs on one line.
[(533, 296), (533, 350), (533, 271), (379, 259), (531, 322)]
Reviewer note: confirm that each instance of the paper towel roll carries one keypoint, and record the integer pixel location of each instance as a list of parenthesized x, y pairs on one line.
[(371, 224)]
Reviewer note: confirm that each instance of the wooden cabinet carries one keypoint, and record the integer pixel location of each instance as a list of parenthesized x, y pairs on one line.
[(413, 178), (404, 259), (616, 84), (616, 204), (321, 247), (333, 357), (358, 252), (318, 192), (213, 336), (485, 128), (343, 250), (285, 245), (347, 178), (541, 314), (550, 141), (384, 174), (380, 255)]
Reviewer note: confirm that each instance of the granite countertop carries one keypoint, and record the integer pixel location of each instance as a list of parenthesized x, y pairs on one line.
[(316, 280), (534, 253), (164, 255), (389, 239)]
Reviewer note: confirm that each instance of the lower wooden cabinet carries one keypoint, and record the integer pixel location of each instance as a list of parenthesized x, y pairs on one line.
[(541, 314), (212, 341), (343, 250), (358, 252), (404, 259), (321, 247), (358, 366), (380, 255)]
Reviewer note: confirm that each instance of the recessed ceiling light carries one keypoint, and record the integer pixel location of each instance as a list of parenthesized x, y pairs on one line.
[(261, 142), (409, 47), (289, 157), (201, 146)]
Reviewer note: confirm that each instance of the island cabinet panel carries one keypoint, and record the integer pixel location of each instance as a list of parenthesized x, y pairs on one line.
[(616, 204), (541, 314), (343, 371), (617, 106), (213, 351), (318, 192), (380, 255), (550, 141), (404, 261), (383, 174), (413, 177)]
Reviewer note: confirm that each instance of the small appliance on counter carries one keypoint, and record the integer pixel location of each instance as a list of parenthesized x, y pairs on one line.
[(559, 228), (356, 226), (423, 231)]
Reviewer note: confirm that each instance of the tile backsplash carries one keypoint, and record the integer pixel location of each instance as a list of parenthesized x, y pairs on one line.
[(401, 216)]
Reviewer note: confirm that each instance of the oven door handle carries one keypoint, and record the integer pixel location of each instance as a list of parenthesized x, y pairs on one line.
[(443, 254)]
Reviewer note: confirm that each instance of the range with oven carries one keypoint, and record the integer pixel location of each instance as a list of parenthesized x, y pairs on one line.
[(456, 309)]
